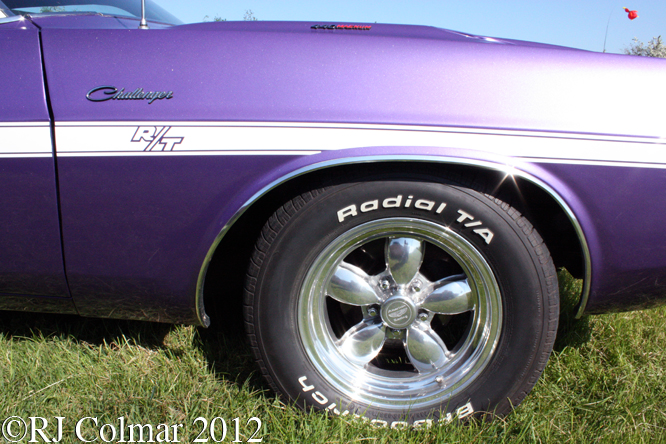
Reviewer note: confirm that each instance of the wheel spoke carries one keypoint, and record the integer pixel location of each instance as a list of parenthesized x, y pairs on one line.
[(449, 297), (351, 285), (404, 256), (425, 348), (363, 342)]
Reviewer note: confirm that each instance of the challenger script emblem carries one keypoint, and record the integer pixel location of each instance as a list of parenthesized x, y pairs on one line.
[(104, 93), (155, 136)]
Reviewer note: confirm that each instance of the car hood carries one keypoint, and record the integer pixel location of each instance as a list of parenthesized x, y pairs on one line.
[(363, 30)]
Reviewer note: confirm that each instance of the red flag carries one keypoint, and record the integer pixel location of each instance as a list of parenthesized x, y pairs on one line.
[(631, 14)]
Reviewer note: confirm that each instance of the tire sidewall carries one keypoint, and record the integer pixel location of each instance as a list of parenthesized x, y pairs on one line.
[(508, 251)]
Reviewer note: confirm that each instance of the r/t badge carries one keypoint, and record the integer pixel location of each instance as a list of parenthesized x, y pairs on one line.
[(156, 138)]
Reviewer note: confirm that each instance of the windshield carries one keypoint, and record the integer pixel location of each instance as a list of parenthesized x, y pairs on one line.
[(127, 8)]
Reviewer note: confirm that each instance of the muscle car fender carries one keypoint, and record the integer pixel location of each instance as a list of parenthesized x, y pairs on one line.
[(387, 203)]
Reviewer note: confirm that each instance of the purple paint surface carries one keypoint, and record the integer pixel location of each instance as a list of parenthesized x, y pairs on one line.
[(137, 229), (289, 72), (30, 250), (629, 262), (21, 83)]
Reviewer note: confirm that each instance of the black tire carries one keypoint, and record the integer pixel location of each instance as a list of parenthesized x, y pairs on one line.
[(445, 305)]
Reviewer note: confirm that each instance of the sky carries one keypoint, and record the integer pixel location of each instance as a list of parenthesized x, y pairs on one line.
[(579, 24)]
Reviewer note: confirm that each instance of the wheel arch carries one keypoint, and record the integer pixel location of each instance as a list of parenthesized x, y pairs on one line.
[(536, 200)]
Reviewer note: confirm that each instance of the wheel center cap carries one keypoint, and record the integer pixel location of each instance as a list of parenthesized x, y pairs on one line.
[(398, 312)]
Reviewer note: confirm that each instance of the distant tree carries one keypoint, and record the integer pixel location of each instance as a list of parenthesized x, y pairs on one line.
[(654, 48), (46, 9), (217, 18), (249, 17)]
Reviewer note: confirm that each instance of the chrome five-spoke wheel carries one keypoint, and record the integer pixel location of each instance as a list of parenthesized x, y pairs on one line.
[(400, 312)]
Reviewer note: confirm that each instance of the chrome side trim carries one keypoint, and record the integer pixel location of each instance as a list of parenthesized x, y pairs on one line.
[(11, 18), (507, 169), (5, 13)]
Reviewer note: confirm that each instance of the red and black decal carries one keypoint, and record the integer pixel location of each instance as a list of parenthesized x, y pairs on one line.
[(346, 27)]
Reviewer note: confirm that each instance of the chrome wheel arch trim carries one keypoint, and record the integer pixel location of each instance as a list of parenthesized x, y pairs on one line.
[(509, 170)]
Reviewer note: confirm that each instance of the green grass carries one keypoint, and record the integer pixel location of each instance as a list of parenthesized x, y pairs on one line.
[(605, 382)]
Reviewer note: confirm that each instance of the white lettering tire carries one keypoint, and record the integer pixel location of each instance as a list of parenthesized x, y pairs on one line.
[(402, 301)]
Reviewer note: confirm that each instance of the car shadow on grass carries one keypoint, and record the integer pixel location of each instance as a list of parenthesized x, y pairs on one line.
[(225, 350), (229, 357), (28, 326), (226, 347), (571, 332)]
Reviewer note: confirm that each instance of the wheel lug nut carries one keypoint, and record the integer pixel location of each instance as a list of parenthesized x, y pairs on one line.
[(439, 380), (384, 284), (372, 312), (416, 286), (423, 317)]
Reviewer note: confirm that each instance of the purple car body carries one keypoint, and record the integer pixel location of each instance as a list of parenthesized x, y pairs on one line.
[(127, 154)]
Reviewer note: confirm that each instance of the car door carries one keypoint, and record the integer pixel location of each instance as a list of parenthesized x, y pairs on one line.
[(31, 261)]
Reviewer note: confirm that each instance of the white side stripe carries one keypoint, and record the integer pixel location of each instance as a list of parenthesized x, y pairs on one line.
[(25, 140), (445, 129), (231, 138), (189, 153), (23, 124), (595, 162)]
